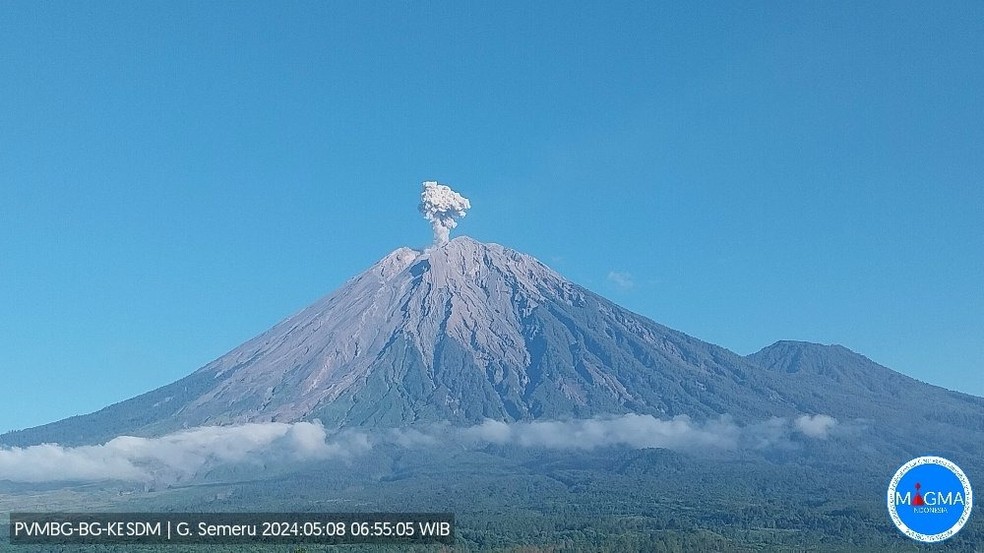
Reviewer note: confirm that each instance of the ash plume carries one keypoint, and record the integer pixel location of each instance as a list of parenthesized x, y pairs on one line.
[(440, 205)]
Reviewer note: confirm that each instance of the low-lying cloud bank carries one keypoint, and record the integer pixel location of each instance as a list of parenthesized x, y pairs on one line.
[(178, 455), (186, 453), (644, 431)]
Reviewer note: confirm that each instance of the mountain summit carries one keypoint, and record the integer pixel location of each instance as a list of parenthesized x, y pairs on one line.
[(466, 331)]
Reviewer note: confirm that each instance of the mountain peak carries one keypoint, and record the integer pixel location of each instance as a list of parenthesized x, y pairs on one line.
[(458, 332), (468, 247), (394, 262), (793, 356), (804, 346), (467, 331), (466, 267), (465, 241)]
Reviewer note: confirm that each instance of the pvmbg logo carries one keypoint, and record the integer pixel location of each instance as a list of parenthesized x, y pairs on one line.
[(929, 499)]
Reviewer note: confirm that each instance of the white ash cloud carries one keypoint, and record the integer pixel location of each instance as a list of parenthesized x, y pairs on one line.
[(185, 454), (440, 205)]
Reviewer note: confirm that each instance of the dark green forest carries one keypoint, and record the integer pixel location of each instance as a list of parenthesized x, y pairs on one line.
[(524, 500)]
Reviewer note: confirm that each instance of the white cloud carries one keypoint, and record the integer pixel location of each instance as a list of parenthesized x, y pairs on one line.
[(815, 426), (645, 431), (631, 430), (181, 455), (175, 456), (622, 280)]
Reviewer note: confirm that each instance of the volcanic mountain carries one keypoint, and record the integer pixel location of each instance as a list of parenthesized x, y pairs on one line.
[(470, 330)]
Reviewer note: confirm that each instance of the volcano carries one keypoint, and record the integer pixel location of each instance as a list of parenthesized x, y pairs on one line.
[(469, 331)]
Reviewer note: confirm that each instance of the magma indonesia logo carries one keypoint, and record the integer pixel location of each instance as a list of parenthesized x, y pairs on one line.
[(929, 499)]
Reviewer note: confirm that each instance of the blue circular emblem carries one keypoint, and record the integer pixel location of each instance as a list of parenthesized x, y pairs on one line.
[(929, 499)]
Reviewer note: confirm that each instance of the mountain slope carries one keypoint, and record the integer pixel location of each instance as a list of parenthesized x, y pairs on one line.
[(459, 333), (834, 379), (469, 331)]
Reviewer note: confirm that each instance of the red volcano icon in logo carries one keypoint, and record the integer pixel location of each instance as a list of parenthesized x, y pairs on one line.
[(918, 500)]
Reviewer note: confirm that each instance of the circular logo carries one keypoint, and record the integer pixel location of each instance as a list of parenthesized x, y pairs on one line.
[(929, 499)]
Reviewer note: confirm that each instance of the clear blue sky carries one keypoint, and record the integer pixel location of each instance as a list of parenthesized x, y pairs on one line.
[(176, 177)]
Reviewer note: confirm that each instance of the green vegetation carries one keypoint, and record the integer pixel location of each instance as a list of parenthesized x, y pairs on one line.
[(516, 500)]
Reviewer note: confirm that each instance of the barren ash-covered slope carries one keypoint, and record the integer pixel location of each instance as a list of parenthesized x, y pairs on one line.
[(470, 330)]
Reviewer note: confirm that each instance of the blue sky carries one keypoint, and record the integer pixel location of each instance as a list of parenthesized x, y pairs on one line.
[(177, 177)]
